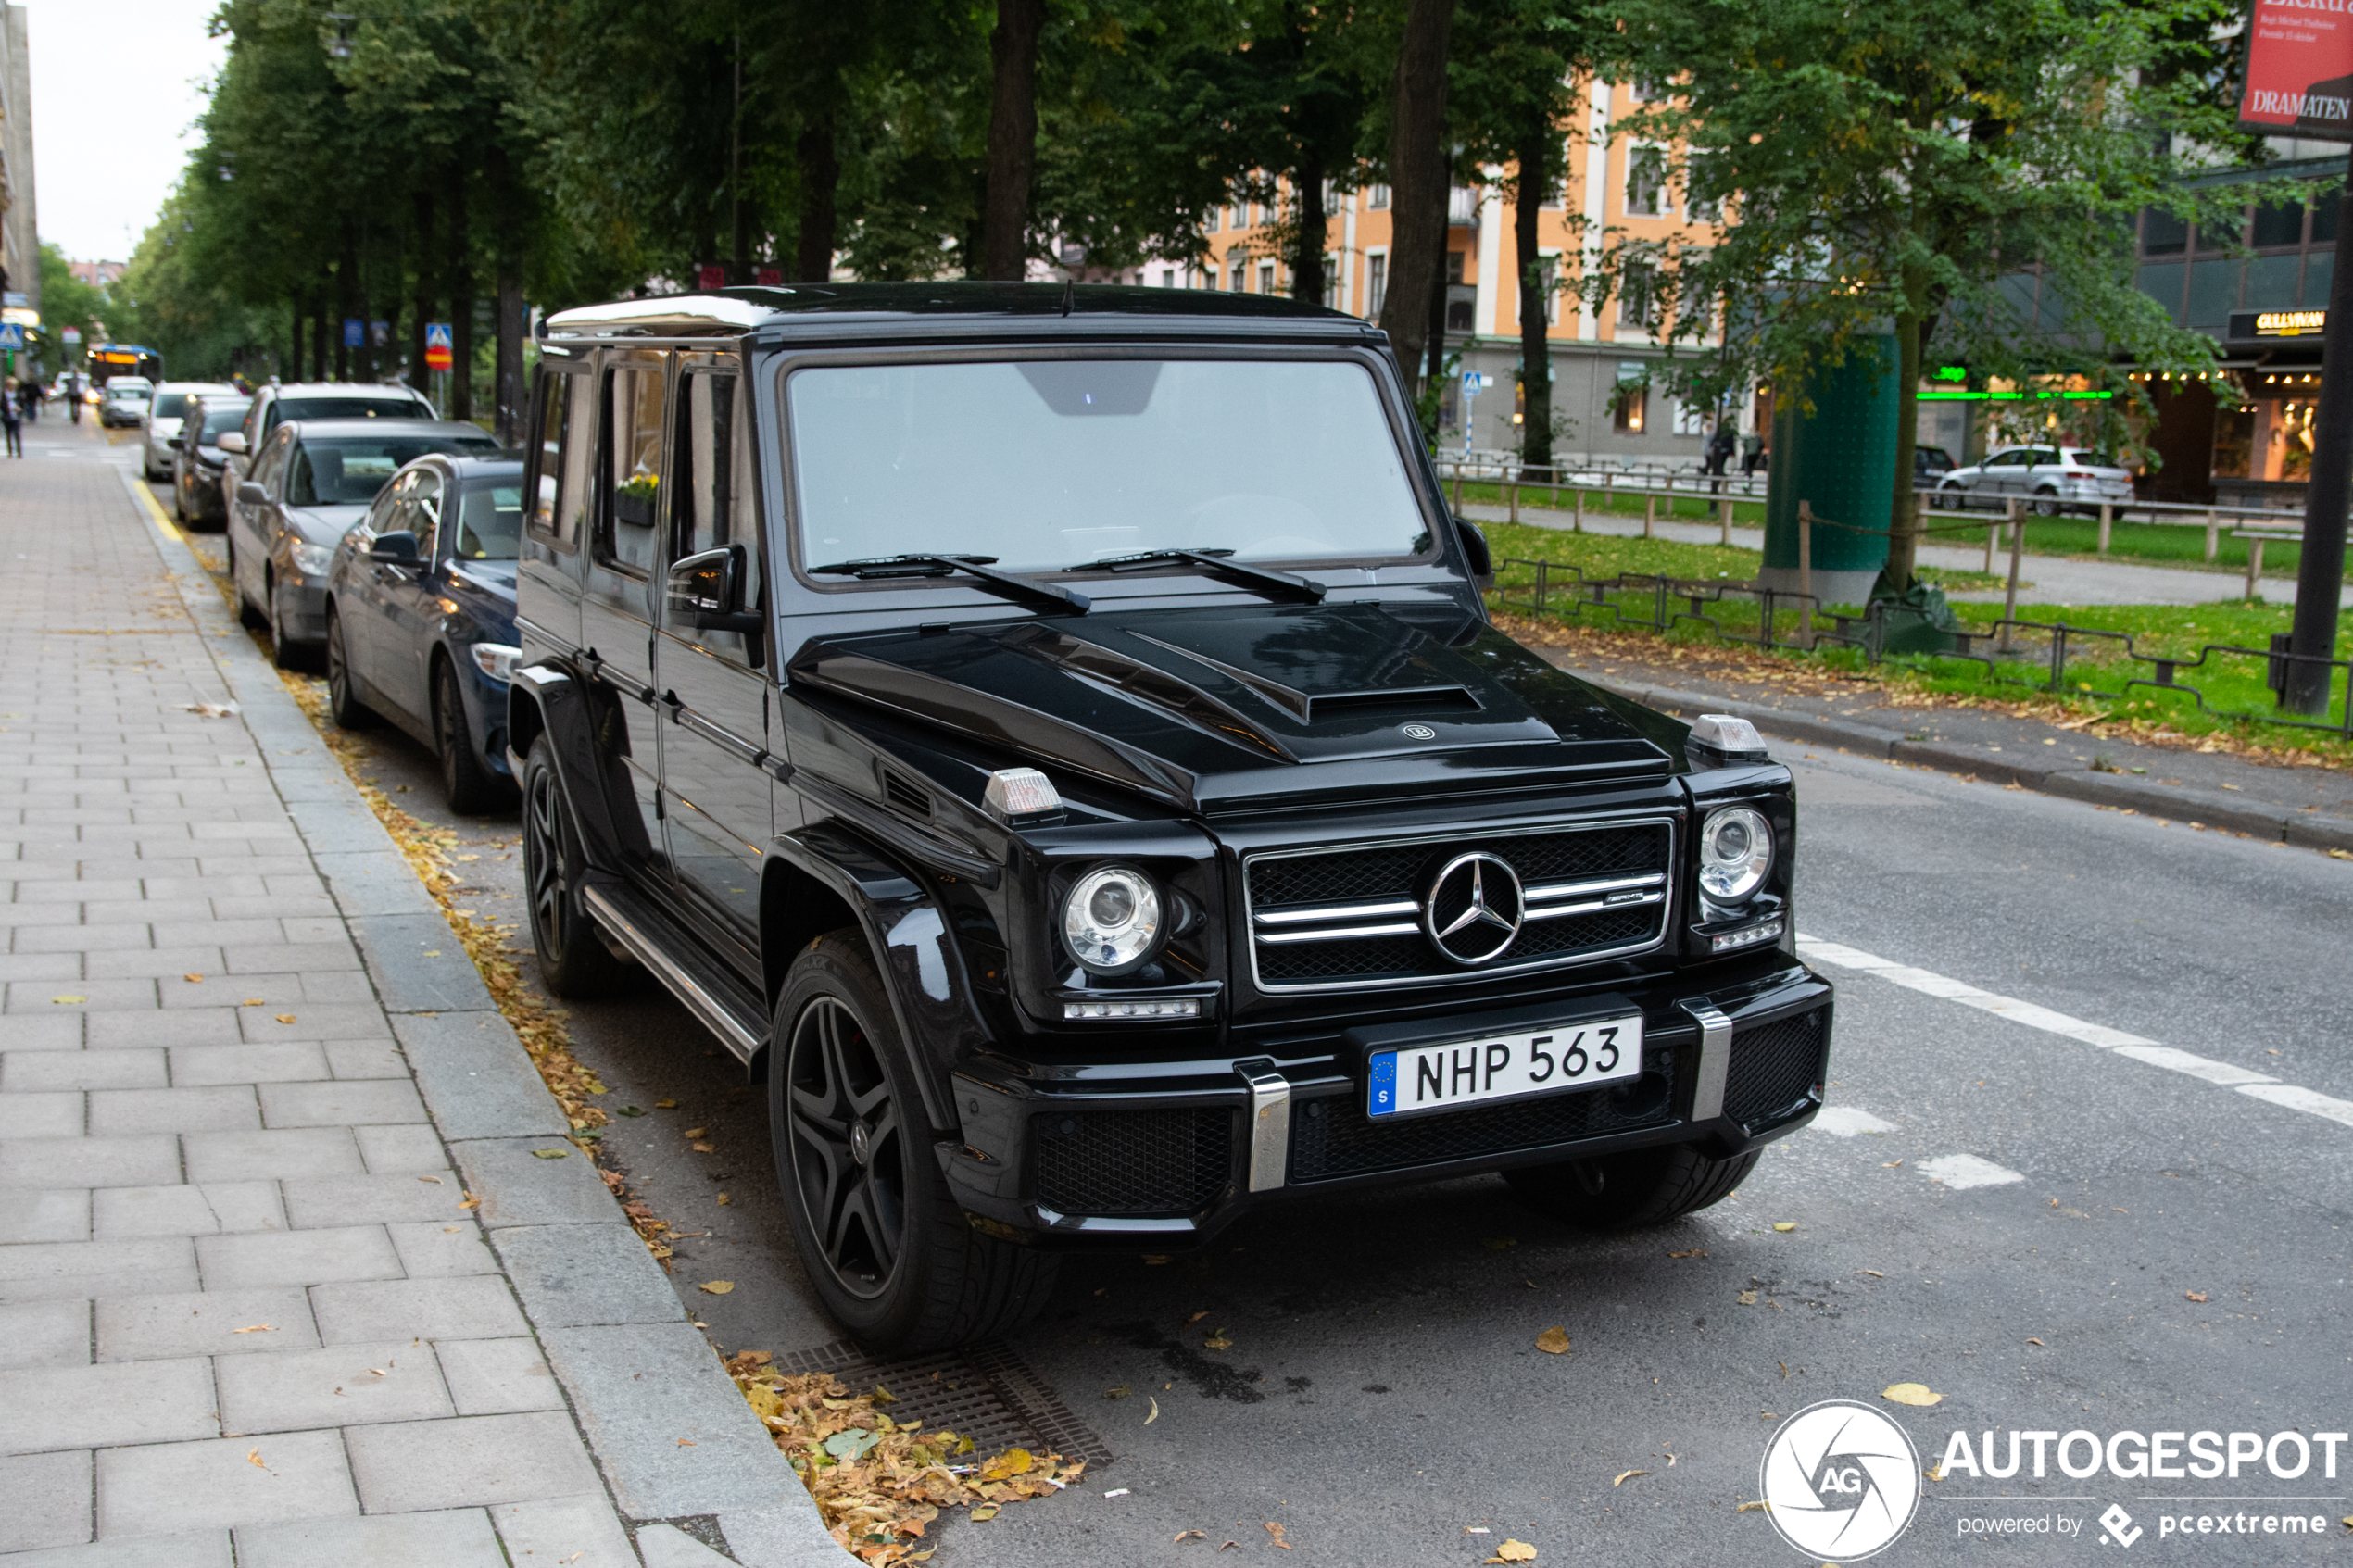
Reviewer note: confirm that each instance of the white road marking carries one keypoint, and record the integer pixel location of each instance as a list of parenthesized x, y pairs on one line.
[(1962, 1172), (2257, 1085), (1844, 1121)]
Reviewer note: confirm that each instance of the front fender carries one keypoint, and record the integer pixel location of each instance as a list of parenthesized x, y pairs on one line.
[(574, 715), (817, 876)]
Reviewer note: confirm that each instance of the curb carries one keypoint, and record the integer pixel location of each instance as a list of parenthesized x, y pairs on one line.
[(2207, 807), (680, 1444)]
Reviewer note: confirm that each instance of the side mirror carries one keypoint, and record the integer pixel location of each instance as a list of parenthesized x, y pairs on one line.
[(706, 592), (252, 495), (1475, 550), (395, 548), (232, 442)]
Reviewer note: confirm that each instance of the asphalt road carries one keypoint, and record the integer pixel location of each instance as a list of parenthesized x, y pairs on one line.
[(1383, 1398)]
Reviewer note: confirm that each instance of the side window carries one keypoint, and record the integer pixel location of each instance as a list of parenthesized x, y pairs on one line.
[(253, 430), (712, 501), (630, 470), (383, 512), (424, 512), (566, 452), (265, 467)]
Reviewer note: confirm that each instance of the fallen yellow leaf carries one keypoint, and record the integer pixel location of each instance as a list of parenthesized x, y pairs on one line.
[(1627, 1475), (1785, 1225), (1513, 1551), (665, 1105), (723, 1201), (67, 1001), (1554, 1341), (982, 1516), (1197, 1317), (192, 979), (253, 1456), (2198, 1296), (703, 1148), (1155, 1416), (1911, 1394), (717, 1287), (697, 1132), (551, 1153), (1277, 1531), (1753, 1506), (257, 1328), (1873, 1273), (1187, 1535), (1217, 1341), (1747, 1298), (253, 1002), (2037, 1342), (1694, 1252), (286, 1018)]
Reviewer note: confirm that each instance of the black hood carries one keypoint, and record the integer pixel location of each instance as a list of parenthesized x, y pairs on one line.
[(1252, 707)]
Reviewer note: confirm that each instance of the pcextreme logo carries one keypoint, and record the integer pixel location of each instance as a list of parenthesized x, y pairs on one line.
[(1841, 1479)]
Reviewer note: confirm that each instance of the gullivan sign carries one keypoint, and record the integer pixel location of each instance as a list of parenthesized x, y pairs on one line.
[(2247, 324), (2300, 68)]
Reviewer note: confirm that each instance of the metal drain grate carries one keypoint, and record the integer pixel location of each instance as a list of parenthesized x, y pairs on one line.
[(985, 1391)]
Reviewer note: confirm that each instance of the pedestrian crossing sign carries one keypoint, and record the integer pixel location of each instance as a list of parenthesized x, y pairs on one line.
[(11, 336), (439, 355)]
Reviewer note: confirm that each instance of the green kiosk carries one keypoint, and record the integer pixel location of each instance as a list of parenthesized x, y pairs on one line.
[(1841, 461)]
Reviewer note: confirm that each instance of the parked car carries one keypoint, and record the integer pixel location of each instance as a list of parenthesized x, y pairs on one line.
[(1929, 464), (272, 406), (421, 618), (311, 481), (166, 412), (196, 457), (2050, 480), (123, 400), (1055, 739)]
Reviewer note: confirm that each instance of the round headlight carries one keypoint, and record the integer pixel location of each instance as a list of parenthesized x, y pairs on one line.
[(1735, 851), (1112, 920)]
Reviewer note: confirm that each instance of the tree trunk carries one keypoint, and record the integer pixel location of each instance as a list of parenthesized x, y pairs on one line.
[(294, 358), (738, 209), (1904, 517), (508, 410), (1013, 138), (820, 177), (1307, 264), (418, 377), (1435, 370), (1417, 180), (320, 330), (349, 295), (461, 299), (1535, 331)]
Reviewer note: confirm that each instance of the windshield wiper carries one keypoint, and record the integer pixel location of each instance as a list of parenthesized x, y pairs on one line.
[(979, 566), (1273, 584)]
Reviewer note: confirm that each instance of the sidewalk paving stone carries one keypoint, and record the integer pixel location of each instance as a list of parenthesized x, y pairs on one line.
[(576, 1531), (48, 1501), (347, 1386), (134, 1327), (462, 1307), (314, 1257), (289, 1153), (45, 1214), (443, 1251), (24, 1072), (386, 1199), (46, 1409), (452, 1538), (411, 1148), (89, 1162), (518, 1188), (188, 1209), (52, 1114), (481, 1459), (44, 1333), (61, 1270), (572, 1276), (334, 1103), (229, 1109), (194, 1548), (294, 1061), (497, 1376), (164, 1487)]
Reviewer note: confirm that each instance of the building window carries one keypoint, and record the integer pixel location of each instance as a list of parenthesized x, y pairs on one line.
[(1376, 283), (1331, 282), (2162, 233), (1376, 197), (1627, 409), (1265, 277), (2282, 225), (1547, 279), (1455, 259), (1638, 296), (1238, 270), (1646, 182)]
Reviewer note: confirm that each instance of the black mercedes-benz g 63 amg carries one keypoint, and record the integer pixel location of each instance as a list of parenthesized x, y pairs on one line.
[(1054, 737)]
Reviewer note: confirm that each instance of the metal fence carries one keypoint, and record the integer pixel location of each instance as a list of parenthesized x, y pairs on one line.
[(2007, 650)]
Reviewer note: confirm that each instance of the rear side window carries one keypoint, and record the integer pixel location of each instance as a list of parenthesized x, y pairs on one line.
[(566, 442), (712, 501), (630, 472), (348, 409), (489, 520), (171, 405)]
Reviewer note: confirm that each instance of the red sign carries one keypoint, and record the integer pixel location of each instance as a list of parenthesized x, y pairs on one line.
[(711, 277), (438, 353), (771, 277), (2300, 69)]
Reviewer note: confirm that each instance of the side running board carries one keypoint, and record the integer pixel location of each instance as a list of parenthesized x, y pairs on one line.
[(718, 999)]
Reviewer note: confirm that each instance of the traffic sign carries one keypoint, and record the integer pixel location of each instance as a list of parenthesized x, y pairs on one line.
[(354, 331), (11, 336), (73, 334), (439, 355)]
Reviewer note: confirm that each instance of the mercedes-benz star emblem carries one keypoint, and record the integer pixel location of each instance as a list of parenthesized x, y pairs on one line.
[(1475, 909)]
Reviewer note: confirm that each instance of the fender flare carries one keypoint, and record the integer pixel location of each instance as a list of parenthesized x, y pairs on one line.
[(549, 699), (908, 933)]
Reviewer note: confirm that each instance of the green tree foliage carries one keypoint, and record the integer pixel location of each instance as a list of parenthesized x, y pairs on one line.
[(1891, 167), (164, 301), (67, 301)]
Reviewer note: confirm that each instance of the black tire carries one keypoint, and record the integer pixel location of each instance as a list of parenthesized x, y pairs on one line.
[(178, 503), (574, 963), (346, 710), (2047, 503), (1951, 497), (469, 788), (247, 616), (885, 1242), (1630, 1191)]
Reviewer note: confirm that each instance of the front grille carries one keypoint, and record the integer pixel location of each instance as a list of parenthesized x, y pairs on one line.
[(1334, 1137), (1617, 876), (1134, 1162), (1775, 1067)]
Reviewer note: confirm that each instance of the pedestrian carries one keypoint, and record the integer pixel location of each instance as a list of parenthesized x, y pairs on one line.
[(12, 419), (1752, 454), (1720, 450), (29, 397)]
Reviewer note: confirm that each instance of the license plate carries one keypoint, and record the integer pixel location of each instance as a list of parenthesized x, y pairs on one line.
[(1418, 1079)]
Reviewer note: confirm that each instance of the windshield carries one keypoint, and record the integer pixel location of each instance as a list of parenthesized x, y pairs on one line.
[(227, 417), (348, 408), (171, 405), (490, 521), (1052, 464), (347, 470)]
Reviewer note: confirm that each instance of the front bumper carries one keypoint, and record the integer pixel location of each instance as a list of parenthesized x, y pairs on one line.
[(1163, 1156), (302, 607)]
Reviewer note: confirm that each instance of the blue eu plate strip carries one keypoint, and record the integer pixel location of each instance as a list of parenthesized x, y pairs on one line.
[(1382, 1099)]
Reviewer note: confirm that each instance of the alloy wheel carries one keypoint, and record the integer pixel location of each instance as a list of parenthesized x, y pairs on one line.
[(848, 1155), (338, 670), (543, 863), (449, 730)]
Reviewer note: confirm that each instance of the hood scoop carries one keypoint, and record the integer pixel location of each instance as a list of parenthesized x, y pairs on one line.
[(1311, 708)]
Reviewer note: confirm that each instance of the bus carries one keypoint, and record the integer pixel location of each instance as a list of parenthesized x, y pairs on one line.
[(110, 360)]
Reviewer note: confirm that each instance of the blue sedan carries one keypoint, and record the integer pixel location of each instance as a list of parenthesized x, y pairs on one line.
[(421, 618)]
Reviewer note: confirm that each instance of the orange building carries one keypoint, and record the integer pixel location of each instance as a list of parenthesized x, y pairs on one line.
[(1599, 359)]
